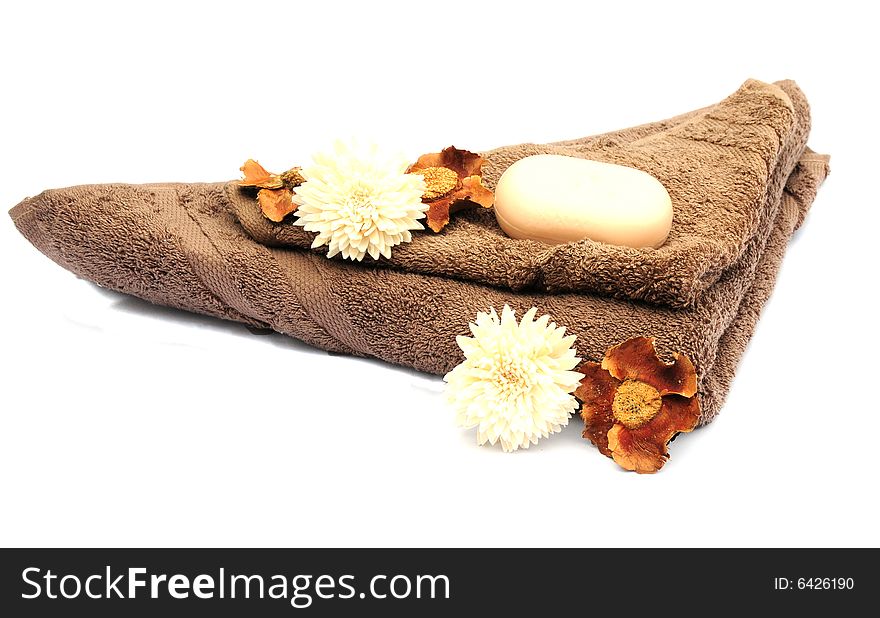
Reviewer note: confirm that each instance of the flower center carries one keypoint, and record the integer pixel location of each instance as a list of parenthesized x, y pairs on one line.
[(292, 178), (439, 181), (361, 210), (635, 403), (511, 377)]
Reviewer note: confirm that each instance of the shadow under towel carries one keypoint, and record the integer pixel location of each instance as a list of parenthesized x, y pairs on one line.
[(739, 173)]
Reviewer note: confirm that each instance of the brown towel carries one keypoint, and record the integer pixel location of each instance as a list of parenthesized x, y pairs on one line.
[(739, 174), (725, 168)]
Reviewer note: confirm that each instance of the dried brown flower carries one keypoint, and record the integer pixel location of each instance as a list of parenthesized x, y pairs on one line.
[(275, 196), (453, 180), (634, 404)]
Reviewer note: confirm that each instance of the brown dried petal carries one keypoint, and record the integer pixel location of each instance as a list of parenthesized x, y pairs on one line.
[(255, 175), (473, 189), (645, 449), (438, 212), (631, 453), (276, 203), (636, 359), (596, 392)]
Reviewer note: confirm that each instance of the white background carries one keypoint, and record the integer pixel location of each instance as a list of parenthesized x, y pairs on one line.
[(128, 424)]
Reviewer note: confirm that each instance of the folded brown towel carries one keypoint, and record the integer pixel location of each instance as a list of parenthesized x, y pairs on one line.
[(724, 167), (739, 174)]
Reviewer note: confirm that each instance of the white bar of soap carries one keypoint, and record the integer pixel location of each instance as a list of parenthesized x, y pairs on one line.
[(556, 199)]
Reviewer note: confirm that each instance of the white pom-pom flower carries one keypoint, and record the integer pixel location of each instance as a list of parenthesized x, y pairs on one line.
[(360, 201), (516, 381)]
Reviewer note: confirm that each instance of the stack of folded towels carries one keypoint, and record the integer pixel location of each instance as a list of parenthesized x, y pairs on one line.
[(739, 174)]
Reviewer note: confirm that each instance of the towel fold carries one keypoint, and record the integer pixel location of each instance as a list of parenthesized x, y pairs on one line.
[(739, 174)]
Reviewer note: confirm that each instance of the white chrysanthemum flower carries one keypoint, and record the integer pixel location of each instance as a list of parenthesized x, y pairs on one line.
[(360, 201), (516, 381)]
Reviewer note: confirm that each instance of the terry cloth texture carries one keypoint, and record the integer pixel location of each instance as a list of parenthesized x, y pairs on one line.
[(739, 174)]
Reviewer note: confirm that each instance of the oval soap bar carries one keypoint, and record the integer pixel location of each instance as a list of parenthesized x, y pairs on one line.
[(557, 199)]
